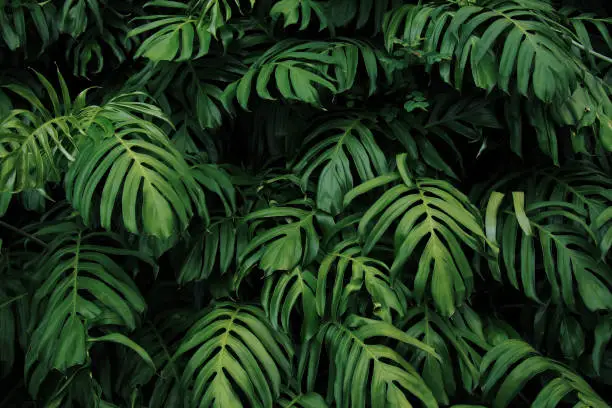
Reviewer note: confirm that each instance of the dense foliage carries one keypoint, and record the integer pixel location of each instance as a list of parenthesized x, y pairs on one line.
[(305, 203)]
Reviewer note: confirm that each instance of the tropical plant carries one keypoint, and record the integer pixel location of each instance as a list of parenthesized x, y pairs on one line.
[(305, 203)]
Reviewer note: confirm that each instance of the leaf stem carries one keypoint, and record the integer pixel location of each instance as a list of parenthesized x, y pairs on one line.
[(11, 394), (25, 234), (592, 52), (11, 300)]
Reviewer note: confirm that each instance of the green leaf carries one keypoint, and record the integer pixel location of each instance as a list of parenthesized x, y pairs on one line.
[(13, 312), (499, 365), (518, 198), (457, 344), (299, 70), (351, 276), (532, 51), (134, 159), (290, 10), (32, 142), (354, 361), (215, 244), (493, 204), (83, 287), (340, 147), (124, 341), (14, 17), (349, 54), (233, 350), (173, 38), (362, 13), (560, 237), (279, 299), (436, 214), (284, 246), (308, 400), (603, 335), (160, 339)]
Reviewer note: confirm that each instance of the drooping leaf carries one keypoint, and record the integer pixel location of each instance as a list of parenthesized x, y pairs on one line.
[(513, 363), (14, 304), (308, 400), (215, 245)]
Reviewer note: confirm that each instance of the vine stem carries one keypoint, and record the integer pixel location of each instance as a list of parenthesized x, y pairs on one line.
[(25, 234)]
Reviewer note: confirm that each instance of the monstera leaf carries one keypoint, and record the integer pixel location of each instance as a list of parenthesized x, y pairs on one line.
[(565, 247), (217, 12), (83, 288), (360, 12), (221, 237), (431, 212), (87, 51), (32, 142), (160, 338), (514, 363), (282, 247), (504, 40), (354, 360), (173, 37), (337, 148), (215, 244), (135, 162), (367, 275), (308, 400), (279, 299), (235, 353), (299, 69), (462, 336), (305, 203), (299, 10), (16, 16), (13, 314)]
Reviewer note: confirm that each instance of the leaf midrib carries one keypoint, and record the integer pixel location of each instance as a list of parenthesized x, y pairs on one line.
[(230, 323), (75, 274)]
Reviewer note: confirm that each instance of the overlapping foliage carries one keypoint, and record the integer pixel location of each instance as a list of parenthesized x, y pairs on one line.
[(305, 203)]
